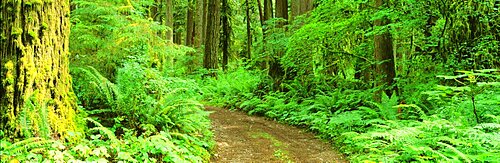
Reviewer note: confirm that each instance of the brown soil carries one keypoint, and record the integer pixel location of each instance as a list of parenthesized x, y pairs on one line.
[(243, 138)]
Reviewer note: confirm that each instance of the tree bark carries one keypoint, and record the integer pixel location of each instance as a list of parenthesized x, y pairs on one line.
[(212, 36), (198, 38), (300, 7), (204, 22), (268, 10), (169, 21), (226, 33), (190, 24), (261, 13), (383, 52), (36, 97), (249, 31)]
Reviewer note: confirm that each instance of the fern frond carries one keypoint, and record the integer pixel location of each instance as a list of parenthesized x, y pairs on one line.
[(103, 129), (28, 144), (462, 155)]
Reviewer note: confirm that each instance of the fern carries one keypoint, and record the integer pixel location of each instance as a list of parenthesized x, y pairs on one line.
[(463, 156), (102, 85), (27, 145), (103, 129)]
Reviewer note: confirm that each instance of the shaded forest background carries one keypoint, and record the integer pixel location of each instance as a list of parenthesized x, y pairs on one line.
[(383, 80)]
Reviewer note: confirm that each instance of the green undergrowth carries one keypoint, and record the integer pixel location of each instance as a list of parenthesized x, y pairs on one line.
[(436, 125), (132, 105), (143, 117)]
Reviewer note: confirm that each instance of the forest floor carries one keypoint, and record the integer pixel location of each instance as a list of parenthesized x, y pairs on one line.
[(244, 138)]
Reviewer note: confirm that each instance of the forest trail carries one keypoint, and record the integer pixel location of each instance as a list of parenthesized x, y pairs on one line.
[(243, 138)]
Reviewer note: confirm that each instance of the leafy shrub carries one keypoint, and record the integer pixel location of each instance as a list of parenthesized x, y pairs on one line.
[(102, 145), (143, 103)]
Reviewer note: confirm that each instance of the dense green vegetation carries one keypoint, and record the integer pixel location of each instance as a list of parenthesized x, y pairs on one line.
[(382, 80)]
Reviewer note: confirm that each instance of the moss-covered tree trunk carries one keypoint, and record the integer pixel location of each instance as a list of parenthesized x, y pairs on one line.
[(36, 98)]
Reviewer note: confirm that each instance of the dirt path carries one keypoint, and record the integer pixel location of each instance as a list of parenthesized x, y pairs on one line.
[(243, 138)]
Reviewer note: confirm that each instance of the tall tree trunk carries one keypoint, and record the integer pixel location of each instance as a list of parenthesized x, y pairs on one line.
[(383, 52), (190, 24), (268, 9), (169, 20), (204, 22), (198, 36), (261, 13), (226, 33), (300, 7), (275, 69), (212, 36), (36, 97), (153, 10), (265, 15), (177, 34), (249, 32)]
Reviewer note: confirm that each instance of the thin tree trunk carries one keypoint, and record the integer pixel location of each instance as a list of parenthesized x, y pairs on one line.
[(177, 34), (205, 20), (266, 14), (36, 97), (190, 24), (249, 32), (261, 14), (226, 33), (268, 10), (212, 36), (198, 38), (169, 20), (383, 52)]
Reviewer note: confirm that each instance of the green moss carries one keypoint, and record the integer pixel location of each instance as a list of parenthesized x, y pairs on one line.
[(16, 31), (33, 34), (9, 80), (45, 25), (37, 2)]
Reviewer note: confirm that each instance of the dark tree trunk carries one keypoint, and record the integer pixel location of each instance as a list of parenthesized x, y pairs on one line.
[(249, 32), (383, 52), (226, 33), (212, 36), (36, 97), (190, 24), (268, 9)]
